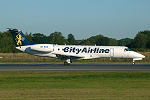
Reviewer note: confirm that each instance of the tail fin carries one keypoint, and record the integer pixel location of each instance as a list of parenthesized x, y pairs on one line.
[(19, 38)]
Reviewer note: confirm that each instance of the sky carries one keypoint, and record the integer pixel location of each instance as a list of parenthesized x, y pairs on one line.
[(83, 18)]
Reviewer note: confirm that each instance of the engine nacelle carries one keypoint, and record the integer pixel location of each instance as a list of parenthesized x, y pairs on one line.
[(43, 47)]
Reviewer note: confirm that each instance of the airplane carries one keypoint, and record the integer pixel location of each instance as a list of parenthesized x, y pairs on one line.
[(71, 52)]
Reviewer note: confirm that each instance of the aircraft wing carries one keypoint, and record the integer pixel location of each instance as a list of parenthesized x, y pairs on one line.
[(63, 56)]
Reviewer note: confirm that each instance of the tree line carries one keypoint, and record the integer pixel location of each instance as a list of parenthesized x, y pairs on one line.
[(140, 42)]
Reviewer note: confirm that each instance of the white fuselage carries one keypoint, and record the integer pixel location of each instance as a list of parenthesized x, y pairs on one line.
[(80, 52)]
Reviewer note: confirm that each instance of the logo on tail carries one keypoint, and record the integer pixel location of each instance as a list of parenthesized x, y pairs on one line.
[(18, 39)]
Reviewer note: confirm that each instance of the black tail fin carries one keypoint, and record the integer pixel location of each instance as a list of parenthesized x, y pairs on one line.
[(19, 38)]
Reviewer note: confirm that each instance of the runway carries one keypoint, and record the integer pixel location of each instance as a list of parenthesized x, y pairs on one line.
[(74, 67)]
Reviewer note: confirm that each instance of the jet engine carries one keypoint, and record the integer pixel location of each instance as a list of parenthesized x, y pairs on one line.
[(43, 47)]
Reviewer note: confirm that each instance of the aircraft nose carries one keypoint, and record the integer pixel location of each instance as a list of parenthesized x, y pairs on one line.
[(140, 55), (143, 56)]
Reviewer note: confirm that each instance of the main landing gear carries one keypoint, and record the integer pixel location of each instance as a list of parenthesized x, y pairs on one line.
[(67, 62), (133, 63)]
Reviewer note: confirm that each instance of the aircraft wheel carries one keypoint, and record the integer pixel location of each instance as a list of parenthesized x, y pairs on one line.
[(133, 63), (66, 63)]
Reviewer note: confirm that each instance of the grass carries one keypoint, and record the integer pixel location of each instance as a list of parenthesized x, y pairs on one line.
[(23, 58), (74, 85)]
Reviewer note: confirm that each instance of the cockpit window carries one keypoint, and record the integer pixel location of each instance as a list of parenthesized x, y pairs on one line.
[(127, 49)]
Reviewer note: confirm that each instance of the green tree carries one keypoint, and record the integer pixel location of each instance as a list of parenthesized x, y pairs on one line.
[(71, 39), (39, 38), (29, 36), (103, 41), (125, 42), (93, 40), (85, 42), (78, 42), (113, 42), (57, 38), (147, 33), (6, 43), (140, 41)]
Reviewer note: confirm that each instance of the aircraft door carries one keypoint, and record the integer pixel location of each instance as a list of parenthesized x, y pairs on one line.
[(111, 52)]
